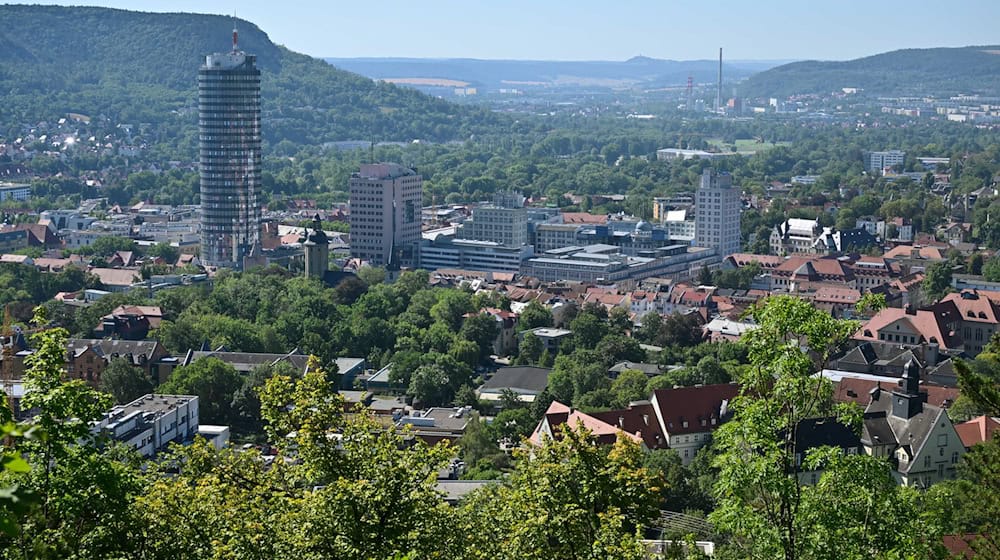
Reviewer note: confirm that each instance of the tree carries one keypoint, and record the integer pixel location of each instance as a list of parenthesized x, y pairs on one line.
[(570, 500), (124, 382), (534, 315), (429, 386), (482, 329), (371, 275), (615, 348), (530, 349), (760, 499), (213, 381), (588, 330), (165, 251), (629, 386), (466, 352), (991, 269), (937, 280), (620, 320), (82, 492)]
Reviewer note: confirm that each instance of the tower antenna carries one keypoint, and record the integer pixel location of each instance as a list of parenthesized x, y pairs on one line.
[(236, 42)]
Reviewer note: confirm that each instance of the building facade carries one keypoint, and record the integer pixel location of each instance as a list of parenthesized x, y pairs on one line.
[(878, 161), (717, 214), (229, 159), (504, 222), (385, 214)]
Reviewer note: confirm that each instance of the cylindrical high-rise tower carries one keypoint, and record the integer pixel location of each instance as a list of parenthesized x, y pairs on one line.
[(229, 163)]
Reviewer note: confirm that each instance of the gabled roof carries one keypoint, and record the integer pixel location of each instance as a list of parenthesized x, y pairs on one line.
[(693, 405), (978, 430), (909, 433), (857, 390), (818, 432), (906, 252), (975, 307), (116, 276), (604, 432), (932, 325)]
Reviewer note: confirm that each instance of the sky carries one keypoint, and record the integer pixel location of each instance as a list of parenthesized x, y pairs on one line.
[(603, 30)]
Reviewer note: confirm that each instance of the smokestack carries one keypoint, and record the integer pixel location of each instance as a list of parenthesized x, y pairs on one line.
[(718, 93)]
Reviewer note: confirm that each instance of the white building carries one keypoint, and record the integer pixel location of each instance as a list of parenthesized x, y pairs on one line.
[(680, 225), (440, 249), (717, 218), (385, 214), (879, 161), (149, 423), (504, 222)]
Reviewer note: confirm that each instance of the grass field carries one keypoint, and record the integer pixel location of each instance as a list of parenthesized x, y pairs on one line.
[(745, 145)]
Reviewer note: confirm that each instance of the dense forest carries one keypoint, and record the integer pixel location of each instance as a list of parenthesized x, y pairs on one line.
[(938, 71), (97, 61)]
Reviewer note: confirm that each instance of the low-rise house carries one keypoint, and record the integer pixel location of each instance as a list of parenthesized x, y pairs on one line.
[(437, 424), (720, 329), (551, 337), (918, 438), (130, 322), (687, 416), (116, 279), (978, 430), (559, 415), (649, 369), (526, 381)]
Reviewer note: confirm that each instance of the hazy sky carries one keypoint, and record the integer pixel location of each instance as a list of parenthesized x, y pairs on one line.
[(605, 29)]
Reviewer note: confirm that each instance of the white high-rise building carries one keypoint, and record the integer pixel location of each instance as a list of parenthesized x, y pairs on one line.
[(385, 214), (717, 214)]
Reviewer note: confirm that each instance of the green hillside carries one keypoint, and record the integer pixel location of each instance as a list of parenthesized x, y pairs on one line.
[(939, 71), (142, 67)]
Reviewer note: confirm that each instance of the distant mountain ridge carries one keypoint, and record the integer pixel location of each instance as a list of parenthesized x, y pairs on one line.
[(141, 67), (638, 71), (935, 71)]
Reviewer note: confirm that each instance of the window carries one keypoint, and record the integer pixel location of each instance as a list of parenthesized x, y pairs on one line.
[(927, 461), (943, 440), (954, 458)]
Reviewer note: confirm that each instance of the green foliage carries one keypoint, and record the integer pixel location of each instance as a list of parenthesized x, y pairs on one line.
[(937, 71), (213, 381), (856, 510), (937, 281), (124, 382), (570, 500)]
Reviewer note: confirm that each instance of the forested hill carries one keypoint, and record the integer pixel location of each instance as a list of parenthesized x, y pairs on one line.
[(938, 71), (140, 67)]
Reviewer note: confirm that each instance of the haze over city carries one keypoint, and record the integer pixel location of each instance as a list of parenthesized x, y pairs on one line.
[(599, 30)]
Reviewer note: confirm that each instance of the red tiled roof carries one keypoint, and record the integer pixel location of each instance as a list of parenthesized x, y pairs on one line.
[(852, 389), (692, 405), (559, 414), (975, 307), (977, 430), (828, 294), (905, 251), (930, 324), (828, 269)]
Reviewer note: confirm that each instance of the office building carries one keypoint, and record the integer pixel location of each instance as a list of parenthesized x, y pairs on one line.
[(229, 161), (9, 191), (504, 222), (605, 264), (441, 249), (385, 214), (879, 161), (717, 214)]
